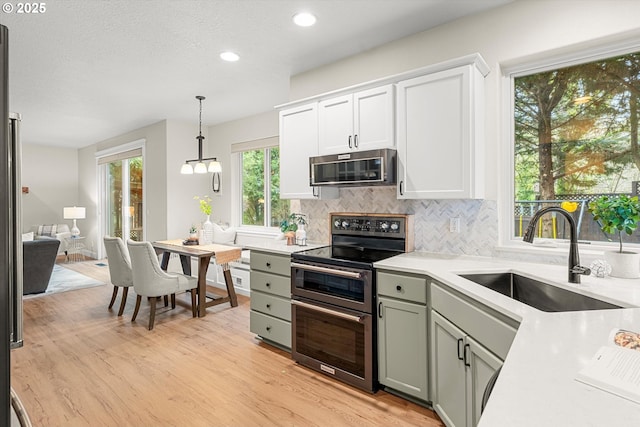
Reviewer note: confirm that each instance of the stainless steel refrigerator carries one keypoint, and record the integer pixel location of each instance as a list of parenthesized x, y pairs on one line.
[(10, 233)]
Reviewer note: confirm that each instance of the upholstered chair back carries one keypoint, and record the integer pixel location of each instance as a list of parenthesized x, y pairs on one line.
[(119, 262)]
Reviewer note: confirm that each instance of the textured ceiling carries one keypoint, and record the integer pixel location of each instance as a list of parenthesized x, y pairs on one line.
[(87, 70)]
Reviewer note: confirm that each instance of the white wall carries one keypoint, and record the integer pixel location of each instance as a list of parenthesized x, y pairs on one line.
[(221, 137), (51, 173)]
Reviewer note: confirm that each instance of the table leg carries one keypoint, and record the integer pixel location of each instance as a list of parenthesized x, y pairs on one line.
[(165, 260), (186, 264), (228, 281), (203, 265)]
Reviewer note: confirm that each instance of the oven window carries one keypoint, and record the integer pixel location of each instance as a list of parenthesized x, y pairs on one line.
[(343, 287), (334, 341)]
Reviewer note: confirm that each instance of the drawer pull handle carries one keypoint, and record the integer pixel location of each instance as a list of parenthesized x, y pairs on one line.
[(398, 288), (380, 309)]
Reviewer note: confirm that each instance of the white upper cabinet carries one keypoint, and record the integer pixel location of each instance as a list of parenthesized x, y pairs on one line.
[(359, 121), (298, 142), (440, 135)]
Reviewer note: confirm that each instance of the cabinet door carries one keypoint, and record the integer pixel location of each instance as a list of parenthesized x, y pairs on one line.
[(439, 155), (483, 364), (336, 125), (298, 142), (448, 371), (402, 347), (374, 118)]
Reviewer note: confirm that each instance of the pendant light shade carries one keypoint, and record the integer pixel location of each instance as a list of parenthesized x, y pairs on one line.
[(188, 168)]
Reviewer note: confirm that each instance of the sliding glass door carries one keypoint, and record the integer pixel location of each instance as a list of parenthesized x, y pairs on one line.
[(121, 194), (124, 206)]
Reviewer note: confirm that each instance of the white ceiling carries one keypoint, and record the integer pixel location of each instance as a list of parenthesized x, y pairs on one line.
[(87, 70)]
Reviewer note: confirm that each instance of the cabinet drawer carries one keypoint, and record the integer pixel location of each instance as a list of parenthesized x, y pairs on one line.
[(270, 263), (272, 305), (270, 328), (271, 284), (399, 286), (492, 332)]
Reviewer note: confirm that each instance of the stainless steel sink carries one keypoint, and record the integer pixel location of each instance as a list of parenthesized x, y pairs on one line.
[(537, 294)]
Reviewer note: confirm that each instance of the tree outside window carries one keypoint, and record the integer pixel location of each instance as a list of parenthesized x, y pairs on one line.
[(576, 138), (261, 203)]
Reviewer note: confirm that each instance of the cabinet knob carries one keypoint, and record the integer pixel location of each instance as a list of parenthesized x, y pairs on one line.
[(268, 285), (268, 265), (268, 328), (399, 288), (268, 305)]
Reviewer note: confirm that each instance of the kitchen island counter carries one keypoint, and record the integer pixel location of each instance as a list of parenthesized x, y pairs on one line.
[(537, 383)]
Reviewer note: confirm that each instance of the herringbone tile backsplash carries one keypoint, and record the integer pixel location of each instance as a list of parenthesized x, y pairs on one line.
[(478, 219)]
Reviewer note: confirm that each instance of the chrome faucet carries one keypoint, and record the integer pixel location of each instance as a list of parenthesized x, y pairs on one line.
[(575, 269)]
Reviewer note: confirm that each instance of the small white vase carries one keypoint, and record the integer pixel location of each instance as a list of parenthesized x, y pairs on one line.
[(301, 235), (625, 265), (207, 232)]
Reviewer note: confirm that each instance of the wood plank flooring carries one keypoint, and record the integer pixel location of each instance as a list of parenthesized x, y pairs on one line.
[(81, 365)]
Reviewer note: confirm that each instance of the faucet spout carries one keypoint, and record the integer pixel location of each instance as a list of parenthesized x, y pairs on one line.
[(575, 269)]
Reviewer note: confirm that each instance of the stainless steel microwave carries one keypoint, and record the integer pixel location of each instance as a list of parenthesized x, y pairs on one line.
[(356, 169)]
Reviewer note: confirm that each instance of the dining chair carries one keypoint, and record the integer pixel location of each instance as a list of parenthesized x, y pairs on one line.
[(149, 280), (119, 269)]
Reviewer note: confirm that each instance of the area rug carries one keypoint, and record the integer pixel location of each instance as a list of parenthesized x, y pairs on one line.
[(63, 280)]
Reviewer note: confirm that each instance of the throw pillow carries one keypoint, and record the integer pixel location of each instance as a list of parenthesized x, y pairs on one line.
[(222, 236), (27, 237), (47, 230)]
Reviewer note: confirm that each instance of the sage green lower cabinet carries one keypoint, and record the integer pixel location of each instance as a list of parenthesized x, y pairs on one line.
[(403, 334), (270, 316), (462, 368), (469, 342)]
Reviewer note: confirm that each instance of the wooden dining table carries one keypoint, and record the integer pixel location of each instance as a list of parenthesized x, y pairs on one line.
[(223, 255)]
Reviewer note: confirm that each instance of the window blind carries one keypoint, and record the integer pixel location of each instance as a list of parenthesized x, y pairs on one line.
[(256, 144), (120, 156)]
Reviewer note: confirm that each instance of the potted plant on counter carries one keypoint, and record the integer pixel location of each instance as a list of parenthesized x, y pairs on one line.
[(616, 215), (292, 224)]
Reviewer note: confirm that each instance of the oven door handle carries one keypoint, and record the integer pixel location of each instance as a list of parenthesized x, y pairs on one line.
[(349, 274), (350, 317)]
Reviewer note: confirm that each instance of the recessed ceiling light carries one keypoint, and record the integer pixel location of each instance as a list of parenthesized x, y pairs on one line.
[(304, 19), (229, 56)]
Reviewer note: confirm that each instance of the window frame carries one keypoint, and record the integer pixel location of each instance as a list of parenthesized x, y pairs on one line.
[(247, 228), (538, 63)]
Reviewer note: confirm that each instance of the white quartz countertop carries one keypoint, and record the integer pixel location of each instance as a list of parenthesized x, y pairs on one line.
[(536, 386), (281, 247)]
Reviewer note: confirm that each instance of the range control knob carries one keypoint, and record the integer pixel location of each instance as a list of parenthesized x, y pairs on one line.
[(394, 226), (384, 225), (345, 224), (336, 223)]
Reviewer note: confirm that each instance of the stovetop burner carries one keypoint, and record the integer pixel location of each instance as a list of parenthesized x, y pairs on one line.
[(360, 240)]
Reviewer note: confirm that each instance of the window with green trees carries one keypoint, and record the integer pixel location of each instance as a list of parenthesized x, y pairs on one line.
[(576, 138), (261, 203)]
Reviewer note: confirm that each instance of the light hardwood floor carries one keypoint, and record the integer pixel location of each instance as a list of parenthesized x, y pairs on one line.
[(81, 365)]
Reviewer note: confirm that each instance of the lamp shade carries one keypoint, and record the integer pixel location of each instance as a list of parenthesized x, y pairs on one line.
[(186, 169), (74, 213), (215, 167), (200, 168)]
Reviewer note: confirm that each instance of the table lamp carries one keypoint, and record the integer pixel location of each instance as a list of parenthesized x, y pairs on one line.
[(74, 213)]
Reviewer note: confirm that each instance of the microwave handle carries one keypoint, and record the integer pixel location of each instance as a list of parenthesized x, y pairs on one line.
[(328, 311)]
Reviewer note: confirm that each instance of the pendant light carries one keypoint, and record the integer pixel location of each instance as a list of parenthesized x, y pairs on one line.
[(200, 163)]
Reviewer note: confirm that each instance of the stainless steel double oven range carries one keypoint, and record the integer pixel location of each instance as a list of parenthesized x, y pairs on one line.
[(333, 295)]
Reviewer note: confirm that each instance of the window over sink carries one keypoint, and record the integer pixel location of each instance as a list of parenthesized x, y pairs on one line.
[(574, 138)]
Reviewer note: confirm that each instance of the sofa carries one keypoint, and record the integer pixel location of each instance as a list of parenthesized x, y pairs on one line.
[(59, 232), (38, 259)]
